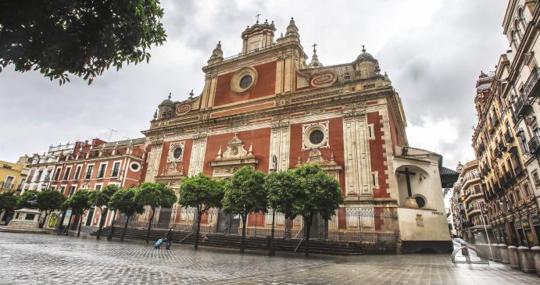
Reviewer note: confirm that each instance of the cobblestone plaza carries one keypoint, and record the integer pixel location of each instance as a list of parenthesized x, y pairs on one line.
[(48, 259)]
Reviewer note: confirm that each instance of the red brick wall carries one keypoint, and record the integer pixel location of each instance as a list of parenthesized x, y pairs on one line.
[(378, 155), (260, 139), (265, 86), (336, 146)]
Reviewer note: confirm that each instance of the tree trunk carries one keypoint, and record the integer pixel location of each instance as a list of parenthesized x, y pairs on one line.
[(197, 232), (111, 231), (42, 222), (69, 224), (101, 221), (150, 225), (308, 228), (272, 252), (125, 228), (288, 228), (79, 226), (243, 242), (59, 229)]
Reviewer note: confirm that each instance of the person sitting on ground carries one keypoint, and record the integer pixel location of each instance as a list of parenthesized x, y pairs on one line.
[(158, 243)]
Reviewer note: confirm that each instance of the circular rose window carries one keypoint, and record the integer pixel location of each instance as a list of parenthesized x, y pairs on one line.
[(243, 80), (316, 137), (246, 81)]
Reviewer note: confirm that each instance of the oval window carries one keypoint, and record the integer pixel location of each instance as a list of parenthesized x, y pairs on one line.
[(177, 153), (246, 81), (420, 201), (316, 137), (134, 166)]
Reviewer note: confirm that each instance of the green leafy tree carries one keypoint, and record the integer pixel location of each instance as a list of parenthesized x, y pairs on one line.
[(244, 194), (322, 196), (201, 193), (82, 37), (79, 203), (155, 195), (99, 199), (48, 201), (125, 201), (282, 189), (28, 199), (8, 202)]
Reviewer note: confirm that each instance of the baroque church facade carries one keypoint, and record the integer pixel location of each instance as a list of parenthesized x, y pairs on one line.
[(270, 109)]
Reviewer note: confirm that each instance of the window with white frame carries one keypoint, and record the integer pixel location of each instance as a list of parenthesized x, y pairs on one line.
[(116, 169), (89, 170), (101, 170), (66, 173), (78, 172)]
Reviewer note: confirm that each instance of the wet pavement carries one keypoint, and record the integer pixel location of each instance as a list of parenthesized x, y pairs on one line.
[(50, 259)]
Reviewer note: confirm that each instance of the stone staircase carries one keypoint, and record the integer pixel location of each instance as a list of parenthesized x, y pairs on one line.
[(256, 243)]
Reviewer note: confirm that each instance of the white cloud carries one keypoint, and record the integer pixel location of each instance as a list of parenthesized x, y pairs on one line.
[(433, 51)]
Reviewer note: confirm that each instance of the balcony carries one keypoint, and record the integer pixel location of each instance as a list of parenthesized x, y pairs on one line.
[(522, 107), (508, 137), (534, 145), (530, 89)]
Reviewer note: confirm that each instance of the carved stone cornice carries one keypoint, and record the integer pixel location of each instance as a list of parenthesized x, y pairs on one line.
[(302, 101)]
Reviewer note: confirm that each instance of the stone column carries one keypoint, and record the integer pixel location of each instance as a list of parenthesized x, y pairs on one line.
[(536, 257), (504, 253), (525, 258), (496, 252), (514, 257)]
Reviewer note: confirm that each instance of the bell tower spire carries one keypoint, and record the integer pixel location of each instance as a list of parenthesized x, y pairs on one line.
[(315, 59), (258, 36)]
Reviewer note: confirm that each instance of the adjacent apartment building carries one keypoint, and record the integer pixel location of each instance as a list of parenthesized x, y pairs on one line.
[(506, 139)]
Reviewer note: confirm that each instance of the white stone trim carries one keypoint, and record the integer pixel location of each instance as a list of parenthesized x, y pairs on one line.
[(356, 155), (198, 151), (279, 147)]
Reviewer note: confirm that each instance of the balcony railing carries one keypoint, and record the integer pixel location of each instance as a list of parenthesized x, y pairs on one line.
[(508, 137), (531, 86), (522, 107), (534, 145)]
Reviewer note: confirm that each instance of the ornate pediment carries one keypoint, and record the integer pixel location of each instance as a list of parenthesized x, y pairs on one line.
[(234, 157), (329, 165)]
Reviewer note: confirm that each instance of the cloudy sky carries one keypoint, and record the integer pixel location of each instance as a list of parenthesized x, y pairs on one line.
[(433, 51)]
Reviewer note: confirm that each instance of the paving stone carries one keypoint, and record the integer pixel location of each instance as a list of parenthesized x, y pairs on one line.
[(49, 259)]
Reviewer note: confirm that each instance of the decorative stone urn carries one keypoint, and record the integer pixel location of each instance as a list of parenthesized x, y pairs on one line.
[(525, 259), (513, 256), (504, 253), (536, 257), (410, 202)]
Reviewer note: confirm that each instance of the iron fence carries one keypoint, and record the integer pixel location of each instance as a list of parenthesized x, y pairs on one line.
[(360, 224)]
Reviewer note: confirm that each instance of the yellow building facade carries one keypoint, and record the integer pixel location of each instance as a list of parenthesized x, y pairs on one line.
[(11, 175)]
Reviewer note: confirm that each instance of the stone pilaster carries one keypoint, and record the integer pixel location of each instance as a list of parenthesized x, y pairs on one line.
[(279, 147), (154, 159), (357, 163), (198, 151)]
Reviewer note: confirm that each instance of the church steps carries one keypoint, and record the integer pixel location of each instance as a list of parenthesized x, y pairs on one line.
[(252, 243)]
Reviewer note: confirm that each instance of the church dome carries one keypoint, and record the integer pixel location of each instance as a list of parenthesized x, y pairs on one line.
[(365, 56), (167, 101)]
